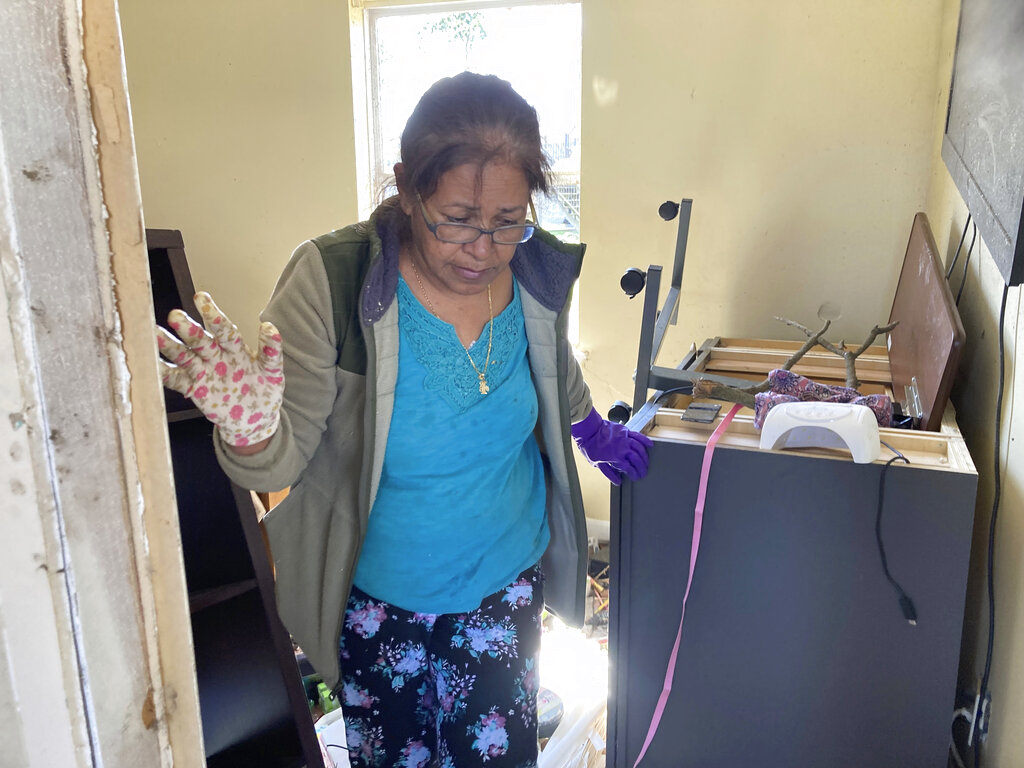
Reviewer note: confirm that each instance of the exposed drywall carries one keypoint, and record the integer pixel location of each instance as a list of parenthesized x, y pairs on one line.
[(36, 643)]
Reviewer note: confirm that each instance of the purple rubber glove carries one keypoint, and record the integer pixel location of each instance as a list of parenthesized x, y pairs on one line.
[(611, 447)]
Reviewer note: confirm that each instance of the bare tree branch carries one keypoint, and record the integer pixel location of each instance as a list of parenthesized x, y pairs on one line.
[(875, 333), (849, 356), (835, 350), (812, 340), (714, 390), (745, 395)]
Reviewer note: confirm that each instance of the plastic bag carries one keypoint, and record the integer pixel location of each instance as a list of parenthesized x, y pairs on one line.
[(579, 740)]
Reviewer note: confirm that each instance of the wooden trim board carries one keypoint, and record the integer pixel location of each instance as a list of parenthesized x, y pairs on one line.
[(944, 450)]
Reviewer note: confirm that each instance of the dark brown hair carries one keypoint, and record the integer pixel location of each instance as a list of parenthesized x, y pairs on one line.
[(471, 118)]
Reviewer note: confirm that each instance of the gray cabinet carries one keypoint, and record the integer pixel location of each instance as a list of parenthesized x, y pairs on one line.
[(794, 651)]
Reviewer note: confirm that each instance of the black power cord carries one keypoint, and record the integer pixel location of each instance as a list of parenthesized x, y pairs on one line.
[(997, 492), (967, 262), (956, 255), (906, 604), (686, 389)]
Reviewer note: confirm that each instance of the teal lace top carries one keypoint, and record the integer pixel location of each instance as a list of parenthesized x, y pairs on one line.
[(460, 510)]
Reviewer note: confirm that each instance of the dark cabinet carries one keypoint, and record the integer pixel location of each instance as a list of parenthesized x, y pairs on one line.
[(794, 650), (251, 698)]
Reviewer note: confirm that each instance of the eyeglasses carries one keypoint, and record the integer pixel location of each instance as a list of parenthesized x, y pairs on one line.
[(447, 232)]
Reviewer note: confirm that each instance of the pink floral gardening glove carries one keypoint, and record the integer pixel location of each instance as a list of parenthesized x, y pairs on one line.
[(237, 389)]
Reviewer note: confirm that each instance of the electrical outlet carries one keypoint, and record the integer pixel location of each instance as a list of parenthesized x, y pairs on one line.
[(975, 717), (984, 715)]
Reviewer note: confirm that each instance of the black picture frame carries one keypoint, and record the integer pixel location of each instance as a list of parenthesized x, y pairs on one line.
[(983, 145)]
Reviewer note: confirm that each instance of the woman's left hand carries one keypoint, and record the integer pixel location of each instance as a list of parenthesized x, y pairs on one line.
[(611, 447)]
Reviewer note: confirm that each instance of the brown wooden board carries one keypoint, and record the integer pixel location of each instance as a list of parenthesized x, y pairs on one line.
[(926, 345)]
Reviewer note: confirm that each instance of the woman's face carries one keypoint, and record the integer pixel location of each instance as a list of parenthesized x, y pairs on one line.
[(496, 197)]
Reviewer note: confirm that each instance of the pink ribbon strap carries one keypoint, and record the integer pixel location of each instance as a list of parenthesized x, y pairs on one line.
[(698, 522)]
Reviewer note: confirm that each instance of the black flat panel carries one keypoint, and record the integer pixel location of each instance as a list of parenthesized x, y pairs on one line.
[(241, 691), (794, 652), (984, 142), (212, 540)]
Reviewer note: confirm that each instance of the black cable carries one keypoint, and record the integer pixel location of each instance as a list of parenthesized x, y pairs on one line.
[(957, 254), (967, 262), (337, 746), (997, 491), (906, 604), (955, 760), (686, 389), (898, 454)]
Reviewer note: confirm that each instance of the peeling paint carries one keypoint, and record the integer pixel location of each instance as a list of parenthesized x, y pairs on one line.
[(149, 710), (106, 106), (17, 420)]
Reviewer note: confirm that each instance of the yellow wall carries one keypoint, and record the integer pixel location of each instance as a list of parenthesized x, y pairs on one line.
[(807, 134), (802, 131), (243, 122), (975, 398)]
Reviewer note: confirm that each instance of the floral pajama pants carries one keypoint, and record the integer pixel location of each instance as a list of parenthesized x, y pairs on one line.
[(447, 690)]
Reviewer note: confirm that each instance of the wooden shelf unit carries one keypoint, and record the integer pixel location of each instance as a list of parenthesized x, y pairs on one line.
[(252, 702)]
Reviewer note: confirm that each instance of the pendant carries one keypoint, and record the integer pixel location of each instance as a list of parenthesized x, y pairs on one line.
[(484, 389)]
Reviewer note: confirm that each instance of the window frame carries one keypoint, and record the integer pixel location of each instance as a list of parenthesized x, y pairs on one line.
[(362, 15)]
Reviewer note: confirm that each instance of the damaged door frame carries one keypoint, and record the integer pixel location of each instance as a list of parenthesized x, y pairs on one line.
[(96, 661)]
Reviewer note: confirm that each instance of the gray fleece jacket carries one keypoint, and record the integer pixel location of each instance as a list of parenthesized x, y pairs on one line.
[(335, 307)]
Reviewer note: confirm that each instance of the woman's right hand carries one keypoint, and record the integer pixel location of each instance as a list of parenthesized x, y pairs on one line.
[(239, 390)]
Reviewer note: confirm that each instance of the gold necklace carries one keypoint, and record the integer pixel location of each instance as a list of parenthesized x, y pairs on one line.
[(482, 375)]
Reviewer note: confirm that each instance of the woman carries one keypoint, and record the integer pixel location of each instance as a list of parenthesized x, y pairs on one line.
[(426, 364)]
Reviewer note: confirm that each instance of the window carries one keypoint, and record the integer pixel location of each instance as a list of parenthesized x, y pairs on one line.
[(399, 50)]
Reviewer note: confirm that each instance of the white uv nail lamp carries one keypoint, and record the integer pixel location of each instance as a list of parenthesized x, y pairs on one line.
[(823, 425)]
